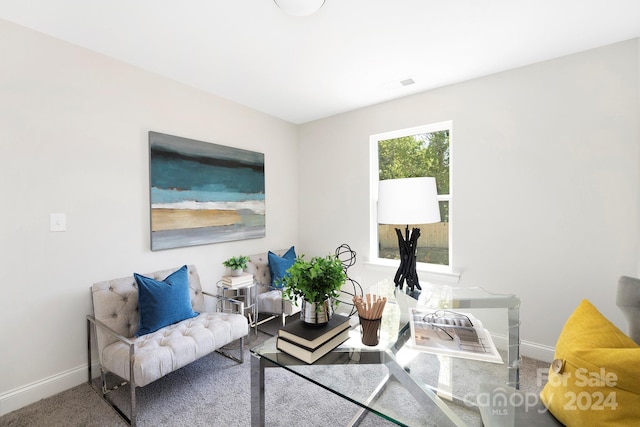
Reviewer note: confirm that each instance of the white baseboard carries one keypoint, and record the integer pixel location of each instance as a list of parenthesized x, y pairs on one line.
[(31, 393), (527, 348), (38, 390), (537, 351)]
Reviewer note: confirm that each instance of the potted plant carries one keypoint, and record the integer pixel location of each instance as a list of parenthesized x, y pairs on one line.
[(317, 282), (236, 264)]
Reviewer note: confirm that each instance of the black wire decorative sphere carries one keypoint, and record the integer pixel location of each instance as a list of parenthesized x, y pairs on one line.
[(347, 257)]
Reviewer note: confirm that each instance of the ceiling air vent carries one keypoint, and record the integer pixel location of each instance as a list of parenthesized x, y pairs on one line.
[(407, 82)]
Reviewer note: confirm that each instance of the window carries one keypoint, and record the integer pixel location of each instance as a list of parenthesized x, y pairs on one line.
[(408, 153)]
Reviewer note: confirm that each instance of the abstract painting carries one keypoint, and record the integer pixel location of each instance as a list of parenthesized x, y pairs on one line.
[(203, 193)]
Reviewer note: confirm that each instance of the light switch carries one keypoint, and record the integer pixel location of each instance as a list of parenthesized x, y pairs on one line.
[(58, 222)]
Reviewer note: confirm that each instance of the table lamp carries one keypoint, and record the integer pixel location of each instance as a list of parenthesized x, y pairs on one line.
[(408, 201)]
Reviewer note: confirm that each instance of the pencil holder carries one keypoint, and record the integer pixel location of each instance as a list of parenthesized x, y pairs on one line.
[(370, 331)]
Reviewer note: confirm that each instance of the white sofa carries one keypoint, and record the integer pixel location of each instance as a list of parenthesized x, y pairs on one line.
[(144, 359)]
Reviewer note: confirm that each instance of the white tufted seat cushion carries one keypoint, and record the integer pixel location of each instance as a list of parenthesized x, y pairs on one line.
[(174, 346), (115, 303)]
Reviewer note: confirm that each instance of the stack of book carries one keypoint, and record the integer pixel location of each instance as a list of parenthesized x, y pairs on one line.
[(237, 281), (310, 343)]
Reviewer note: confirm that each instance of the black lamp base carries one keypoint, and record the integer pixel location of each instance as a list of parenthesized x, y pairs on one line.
[(407, 271)]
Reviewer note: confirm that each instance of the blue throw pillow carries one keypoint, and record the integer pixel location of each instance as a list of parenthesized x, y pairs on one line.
[(278, 266), (163, 302)]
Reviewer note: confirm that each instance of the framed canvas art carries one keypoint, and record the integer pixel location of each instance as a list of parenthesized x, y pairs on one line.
[(203, 193)]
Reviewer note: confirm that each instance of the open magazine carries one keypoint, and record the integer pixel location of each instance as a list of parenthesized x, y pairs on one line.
[(451, 333)]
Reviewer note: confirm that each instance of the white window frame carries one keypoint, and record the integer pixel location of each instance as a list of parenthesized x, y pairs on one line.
[(445, 272)]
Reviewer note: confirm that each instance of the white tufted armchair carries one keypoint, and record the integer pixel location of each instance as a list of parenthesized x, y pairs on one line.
[(142, 360), (269, 301)]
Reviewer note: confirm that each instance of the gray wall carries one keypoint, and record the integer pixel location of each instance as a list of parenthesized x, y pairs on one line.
[(545, 182), (73, 139)]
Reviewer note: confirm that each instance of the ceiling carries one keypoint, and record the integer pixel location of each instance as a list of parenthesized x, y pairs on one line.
[(350, 54)]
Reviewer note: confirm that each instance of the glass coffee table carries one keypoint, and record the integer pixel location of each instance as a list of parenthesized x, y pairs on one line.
[(394, 380)]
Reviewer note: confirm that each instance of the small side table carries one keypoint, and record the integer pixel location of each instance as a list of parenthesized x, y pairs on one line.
[(246, 293)]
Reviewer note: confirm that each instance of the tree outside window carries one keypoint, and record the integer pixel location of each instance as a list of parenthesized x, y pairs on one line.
[(418, 155)]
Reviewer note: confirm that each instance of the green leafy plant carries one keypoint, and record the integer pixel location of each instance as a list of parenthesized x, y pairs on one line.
[(315, 280), (236, 262)]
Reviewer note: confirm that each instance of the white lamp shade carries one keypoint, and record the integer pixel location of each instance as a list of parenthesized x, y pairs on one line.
[(408, 201), (299, 7)]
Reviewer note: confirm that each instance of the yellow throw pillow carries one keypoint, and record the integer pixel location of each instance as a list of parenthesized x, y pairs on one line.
[(595, 377)]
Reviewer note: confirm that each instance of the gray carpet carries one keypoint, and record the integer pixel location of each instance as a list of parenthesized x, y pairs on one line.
[(214, 391)]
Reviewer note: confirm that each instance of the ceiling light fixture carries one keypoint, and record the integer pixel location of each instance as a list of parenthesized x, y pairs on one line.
[(299, 7)]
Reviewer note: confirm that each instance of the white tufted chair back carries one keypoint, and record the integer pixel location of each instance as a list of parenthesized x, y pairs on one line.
[(115, 303), (258, 265)]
